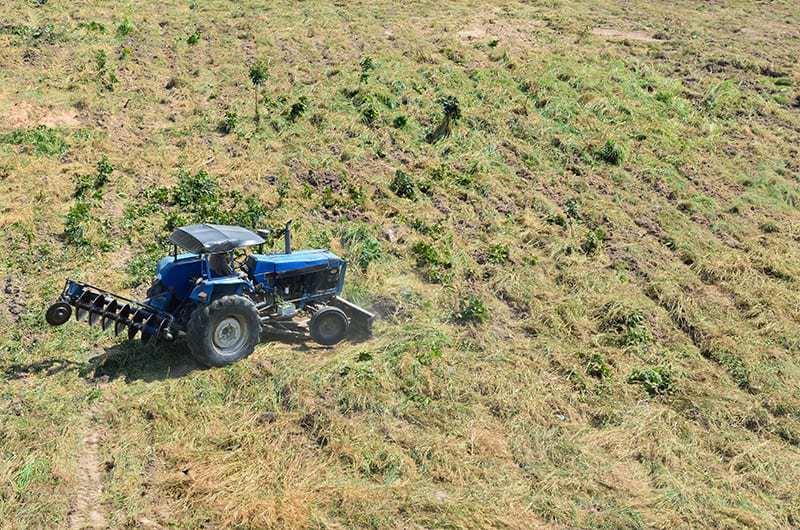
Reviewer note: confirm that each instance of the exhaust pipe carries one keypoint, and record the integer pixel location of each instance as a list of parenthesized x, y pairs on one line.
[(287, 238)]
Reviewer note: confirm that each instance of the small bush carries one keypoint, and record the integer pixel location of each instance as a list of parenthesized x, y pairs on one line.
[(105, 77), (572, 209), (125, 28), (297, 109), (362, 244), (593, 241), (367, 65), (369, 115), (472, 309), (399, 122), (597, 367), (229, 122), (402, 185), (75, 224), (769, 227), (628, 326), (611, 153), (41, 140), (194, 38), (94, 184), (435, 262), (656, 380), (498, 254)]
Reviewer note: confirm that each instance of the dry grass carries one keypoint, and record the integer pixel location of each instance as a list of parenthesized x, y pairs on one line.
[(588, 304)]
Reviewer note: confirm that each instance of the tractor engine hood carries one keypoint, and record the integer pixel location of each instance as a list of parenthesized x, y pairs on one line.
[(298, 262)]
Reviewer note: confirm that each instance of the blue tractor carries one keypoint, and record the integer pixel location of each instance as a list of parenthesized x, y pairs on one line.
[(221, 297)]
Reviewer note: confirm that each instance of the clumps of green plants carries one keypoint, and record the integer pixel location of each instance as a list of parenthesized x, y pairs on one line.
[(297, 109), (40, 140), (124, 28), (497, 254), (367, 66), (104, 75), (194, 38), (35, 35), (593, 241), (625, 326), (597, 366), (402, 185), (92, 26), (768, 227), (198, 197), (230, 121), (91, 186), (471, 310), (655, 380), (88, 191), (399, 121), (435, 263), (452, 112), (361, 244), (75, 223), (259, 73), (611, 153)]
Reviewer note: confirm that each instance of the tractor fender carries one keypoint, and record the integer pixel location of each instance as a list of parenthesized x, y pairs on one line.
[(209, 290)]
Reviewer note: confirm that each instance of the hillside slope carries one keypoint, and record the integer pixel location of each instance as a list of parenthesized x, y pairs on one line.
[(587, 290)]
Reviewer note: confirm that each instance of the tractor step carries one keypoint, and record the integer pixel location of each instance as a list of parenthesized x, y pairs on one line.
[(97, 305)]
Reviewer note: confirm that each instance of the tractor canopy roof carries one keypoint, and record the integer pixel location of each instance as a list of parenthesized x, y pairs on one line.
[(212, 239)]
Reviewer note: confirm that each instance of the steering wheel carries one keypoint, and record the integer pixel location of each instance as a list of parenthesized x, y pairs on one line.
[(239, 261)]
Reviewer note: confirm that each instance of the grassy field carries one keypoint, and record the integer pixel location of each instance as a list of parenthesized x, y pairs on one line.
[(587, 290)]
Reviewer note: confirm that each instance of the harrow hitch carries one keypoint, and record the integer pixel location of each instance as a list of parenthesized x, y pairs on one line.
[(107, 309)]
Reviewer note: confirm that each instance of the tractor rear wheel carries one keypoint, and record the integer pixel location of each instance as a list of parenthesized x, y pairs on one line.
[(224, 331), (329, 325)]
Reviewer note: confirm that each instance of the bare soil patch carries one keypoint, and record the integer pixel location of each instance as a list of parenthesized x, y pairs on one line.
[(24, 115), (87, 511)]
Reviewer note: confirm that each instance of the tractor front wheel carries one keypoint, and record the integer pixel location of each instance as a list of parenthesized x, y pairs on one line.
[(224, 331), (329, 325)]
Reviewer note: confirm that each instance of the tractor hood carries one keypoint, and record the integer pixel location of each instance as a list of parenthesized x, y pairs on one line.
[(297, 262)]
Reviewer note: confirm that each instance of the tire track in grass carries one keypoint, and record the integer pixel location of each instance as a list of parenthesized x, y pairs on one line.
[(87, 510)]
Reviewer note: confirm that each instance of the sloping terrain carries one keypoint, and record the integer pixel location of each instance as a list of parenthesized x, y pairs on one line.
[(587, 290)]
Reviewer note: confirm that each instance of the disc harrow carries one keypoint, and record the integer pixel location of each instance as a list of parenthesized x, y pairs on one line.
[(97, 305)]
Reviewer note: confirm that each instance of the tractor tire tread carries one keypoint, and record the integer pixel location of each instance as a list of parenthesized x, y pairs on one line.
[(200, 323)]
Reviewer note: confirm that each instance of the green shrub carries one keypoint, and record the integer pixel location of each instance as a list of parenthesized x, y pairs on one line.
[(597, 366), (94, 184), (229, 122), (75, 224), (399, 122), (656, 380), (435, 263), (41, 140), (125, 28), (498, 254), (194, 38), (297, 109), (611, 153), (367, 65), (402, 185), (472, 309), (362, 244), (627, 326), (593, 241)]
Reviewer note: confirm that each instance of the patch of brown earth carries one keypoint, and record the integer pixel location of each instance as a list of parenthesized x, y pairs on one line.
[(24, 115), (87, 511)]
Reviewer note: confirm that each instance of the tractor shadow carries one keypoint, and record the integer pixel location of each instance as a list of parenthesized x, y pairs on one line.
[(142, 362), (133, 361)]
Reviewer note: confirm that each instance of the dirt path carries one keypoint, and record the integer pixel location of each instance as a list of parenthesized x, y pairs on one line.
[(87, 510)]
